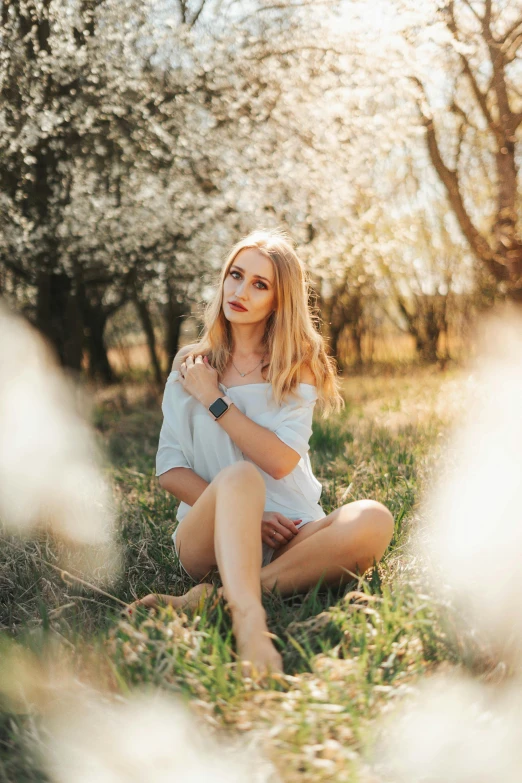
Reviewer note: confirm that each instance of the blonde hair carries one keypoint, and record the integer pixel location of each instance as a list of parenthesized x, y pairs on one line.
[(291, 338)]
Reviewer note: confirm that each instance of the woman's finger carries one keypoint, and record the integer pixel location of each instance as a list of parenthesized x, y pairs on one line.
[(272, 533), (282, 531), (289, 524), (287, 531)]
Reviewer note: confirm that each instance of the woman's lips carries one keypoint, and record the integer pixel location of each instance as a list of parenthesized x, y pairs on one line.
[(240, 309)]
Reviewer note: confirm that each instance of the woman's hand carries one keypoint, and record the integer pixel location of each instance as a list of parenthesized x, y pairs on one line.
[(199, 379), (277, 530)]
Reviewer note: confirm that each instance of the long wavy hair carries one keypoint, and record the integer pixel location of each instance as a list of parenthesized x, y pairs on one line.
[(291, 338)]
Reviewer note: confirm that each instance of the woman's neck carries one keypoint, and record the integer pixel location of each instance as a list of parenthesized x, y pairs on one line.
[(248, 350), (245, 353), (247, 345)]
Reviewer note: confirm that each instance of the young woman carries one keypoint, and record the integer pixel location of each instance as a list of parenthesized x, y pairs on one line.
[(233, 448)]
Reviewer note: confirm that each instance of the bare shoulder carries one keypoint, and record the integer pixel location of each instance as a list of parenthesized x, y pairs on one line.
[(182, 353), (307, 375)]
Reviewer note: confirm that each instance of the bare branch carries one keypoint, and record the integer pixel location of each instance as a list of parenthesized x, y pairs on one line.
[(479, 95), (486, 21), (475, 14), (449, 179), (197, 14), (457, 109), (513, 29), (294, 50), (287, 6), (512, 50), (462, 133)]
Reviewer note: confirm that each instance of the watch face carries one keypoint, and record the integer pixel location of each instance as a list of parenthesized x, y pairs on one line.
[(218, 407)]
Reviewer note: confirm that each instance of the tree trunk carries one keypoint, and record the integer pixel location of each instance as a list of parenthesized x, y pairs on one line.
[(175, 312), (148, 328), (59, 318), (335, 337), (426, 345), (95, 320), (356, 327), (356, 339), (99, 365)]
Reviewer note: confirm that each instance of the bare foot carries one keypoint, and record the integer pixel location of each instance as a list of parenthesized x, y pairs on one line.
[(258, 655), (190, 600)]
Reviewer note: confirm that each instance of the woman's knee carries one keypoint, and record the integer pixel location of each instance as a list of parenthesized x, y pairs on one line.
[(380, 519), (378, 513), (240, 474), (374, 522)]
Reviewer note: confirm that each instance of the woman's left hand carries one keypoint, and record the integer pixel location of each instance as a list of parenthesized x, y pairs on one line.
[(199, 379), (277, 530)]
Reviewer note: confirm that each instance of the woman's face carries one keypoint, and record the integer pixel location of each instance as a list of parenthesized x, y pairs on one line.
[(250, 281)]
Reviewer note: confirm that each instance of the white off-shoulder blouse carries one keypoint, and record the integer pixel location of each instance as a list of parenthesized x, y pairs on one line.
[(191, 438)]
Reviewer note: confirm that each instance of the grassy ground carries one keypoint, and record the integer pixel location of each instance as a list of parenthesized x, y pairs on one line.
[(348, 655)]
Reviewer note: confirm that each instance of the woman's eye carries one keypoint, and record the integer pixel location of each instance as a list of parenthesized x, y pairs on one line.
[(233, 272)]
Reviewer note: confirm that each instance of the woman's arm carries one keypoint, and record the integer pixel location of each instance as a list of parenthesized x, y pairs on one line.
[(183, 483), (258, 443), (262, 446)]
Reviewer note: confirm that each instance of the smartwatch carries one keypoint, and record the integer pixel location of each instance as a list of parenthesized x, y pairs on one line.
[(220, 406)]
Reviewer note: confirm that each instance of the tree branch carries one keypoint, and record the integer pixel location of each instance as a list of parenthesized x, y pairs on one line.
[(486, 21), (17, 270), (475, 14), (449, 179), (294, 50), (286, 7), (511, 30), (511, 51), (479, 95)]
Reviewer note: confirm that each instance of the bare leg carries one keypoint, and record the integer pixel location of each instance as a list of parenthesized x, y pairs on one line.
[(240, 501), (223, 528), (348, 539), (345, 542)]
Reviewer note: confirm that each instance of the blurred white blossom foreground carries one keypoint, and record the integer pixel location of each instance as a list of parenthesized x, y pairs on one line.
[(49, 466), (149, 738), (456, 730), (84, 734), (474, 509)]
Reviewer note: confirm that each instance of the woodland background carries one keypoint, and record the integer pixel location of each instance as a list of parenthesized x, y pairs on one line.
[(140, 140)]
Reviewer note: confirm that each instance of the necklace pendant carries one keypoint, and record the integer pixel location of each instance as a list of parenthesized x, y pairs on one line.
[(242, 374)]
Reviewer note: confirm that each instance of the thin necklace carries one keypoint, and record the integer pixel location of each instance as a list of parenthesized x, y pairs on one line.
[(242, 374)]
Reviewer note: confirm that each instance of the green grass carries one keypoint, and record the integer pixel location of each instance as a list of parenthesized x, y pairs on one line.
[(346, 652)]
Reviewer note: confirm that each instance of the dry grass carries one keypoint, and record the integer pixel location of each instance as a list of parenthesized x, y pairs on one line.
[(348, 655)]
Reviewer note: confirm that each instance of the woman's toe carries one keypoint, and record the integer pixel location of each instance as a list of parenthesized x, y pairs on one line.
[(147, 601)]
